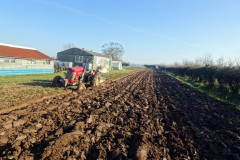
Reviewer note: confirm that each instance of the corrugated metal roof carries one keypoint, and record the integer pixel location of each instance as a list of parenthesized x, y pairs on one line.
[(21, 52)]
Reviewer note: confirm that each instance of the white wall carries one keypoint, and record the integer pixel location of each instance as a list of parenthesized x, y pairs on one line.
[(25, 63), (117, 65)]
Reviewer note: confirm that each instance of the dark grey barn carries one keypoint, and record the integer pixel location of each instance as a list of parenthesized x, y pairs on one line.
[(79, 57)]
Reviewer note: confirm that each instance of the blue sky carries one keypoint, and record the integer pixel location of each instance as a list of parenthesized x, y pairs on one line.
[(151, 31)]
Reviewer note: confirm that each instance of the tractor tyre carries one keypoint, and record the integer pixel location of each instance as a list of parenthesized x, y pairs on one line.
[(81, 86), (56, 81)]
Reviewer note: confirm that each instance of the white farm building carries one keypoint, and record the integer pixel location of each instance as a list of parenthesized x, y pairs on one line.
[(17, 60)]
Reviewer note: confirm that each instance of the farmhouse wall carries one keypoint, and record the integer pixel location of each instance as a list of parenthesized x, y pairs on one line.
[(105, 63), (18, 66), (64, 64), (66, 57), (25, 63)]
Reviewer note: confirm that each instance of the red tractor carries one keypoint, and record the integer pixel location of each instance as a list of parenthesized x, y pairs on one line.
[(78, 76)]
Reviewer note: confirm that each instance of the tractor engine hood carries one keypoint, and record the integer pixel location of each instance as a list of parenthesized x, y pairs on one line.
[(73, 73)]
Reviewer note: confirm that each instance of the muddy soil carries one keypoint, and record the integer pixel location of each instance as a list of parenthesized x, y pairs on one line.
[(146, 115)]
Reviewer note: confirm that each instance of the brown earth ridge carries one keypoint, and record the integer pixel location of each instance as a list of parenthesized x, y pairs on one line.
[(146, 115)]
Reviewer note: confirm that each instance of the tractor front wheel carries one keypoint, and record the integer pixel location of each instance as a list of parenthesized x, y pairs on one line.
[(56, 81)]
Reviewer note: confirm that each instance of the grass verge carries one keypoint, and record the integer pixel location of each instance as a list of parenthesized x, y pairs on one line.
[(213, 92)]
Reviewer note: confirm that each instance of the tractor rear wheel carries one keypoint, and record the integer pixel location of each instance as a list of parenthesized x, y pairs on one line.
[(56, 81), (96, 80)]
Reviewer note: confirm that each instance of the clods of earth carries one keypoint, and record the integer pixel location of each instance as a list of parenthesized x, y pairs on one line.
[(146, 115)]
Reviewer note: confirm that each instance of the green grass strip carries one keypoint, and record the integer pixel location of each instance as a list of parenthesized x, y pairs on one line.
[(28, 78)]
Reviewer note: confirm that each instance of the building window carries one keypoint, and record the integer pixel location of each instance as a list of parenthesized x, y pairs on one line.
[(108, 61), (79, 59), (12, 60), (31, 61), (9, 60), (6, 60), (47, 61), (98, 61)]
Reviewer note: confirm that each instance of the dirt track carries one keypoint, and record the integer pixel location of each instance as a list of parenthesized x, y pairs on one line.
[(147, 115)]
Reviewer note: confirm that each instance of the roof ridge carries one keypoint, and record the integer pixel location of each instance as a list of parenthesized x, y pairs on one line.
[(9, 45), (90, 51)]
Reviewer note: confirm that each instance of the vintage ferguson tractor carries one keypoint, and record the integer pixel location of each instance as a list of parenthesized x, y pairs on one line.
[(78, 76)]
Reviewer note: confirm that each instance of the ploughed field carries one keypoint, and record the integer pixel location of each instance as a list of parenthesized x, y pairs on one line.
[(146, 115)]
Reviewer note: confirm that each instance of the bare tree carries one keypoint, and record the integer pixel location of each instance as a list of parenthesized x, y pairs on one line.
[(115, 50), (208, 60), (68, 46), (230, 63), (220, 63), (175, 64), (198, 62), (238, 62), (187, 63)]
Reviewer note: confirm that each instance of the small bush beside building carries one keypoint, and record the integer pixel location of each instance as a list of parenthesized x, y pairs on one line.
[(17, 60)]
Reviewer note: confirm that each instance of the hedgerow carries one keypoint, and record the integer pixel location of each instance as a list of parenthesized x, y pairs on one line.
[(225, 79)]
